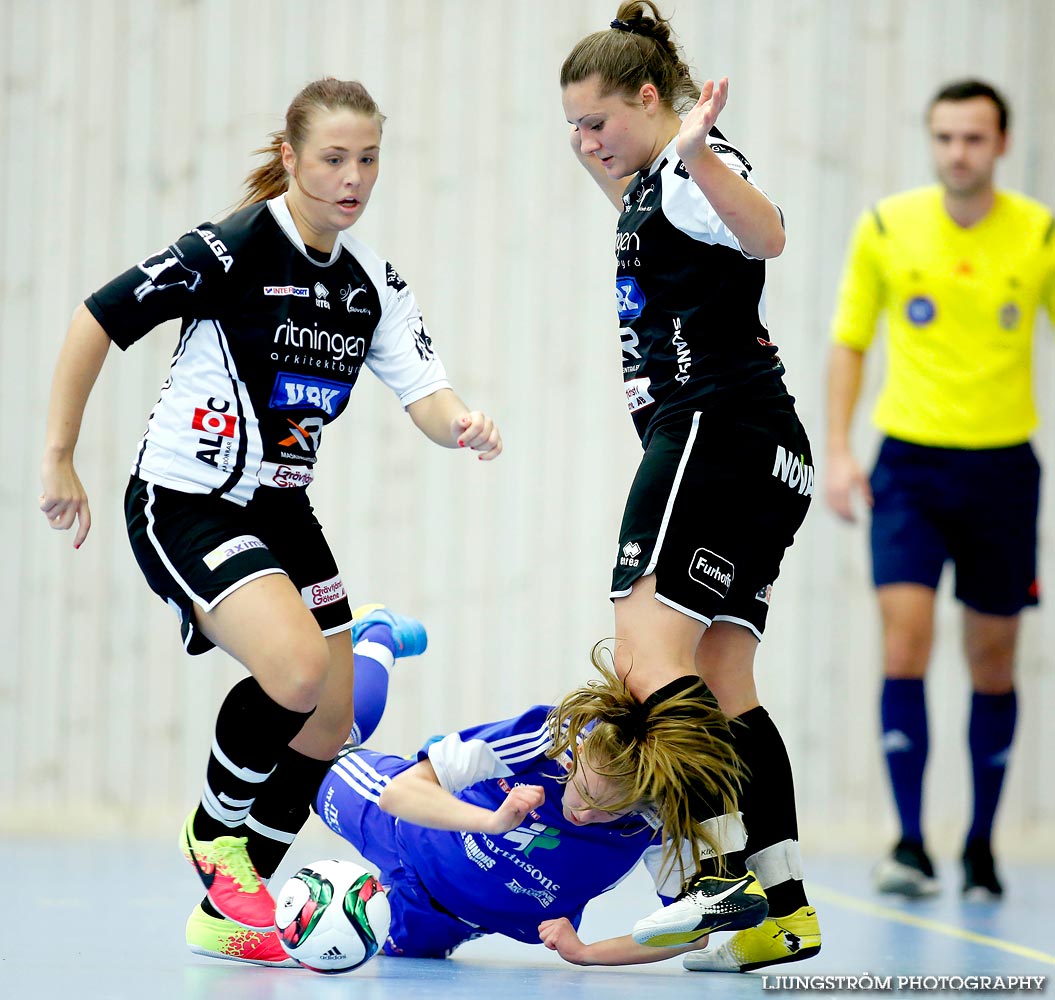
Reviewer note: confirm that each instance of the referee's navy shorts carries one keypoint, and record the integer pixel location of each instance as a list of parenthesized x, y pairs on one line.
[(974, 507), (715, 503), (196, 549)]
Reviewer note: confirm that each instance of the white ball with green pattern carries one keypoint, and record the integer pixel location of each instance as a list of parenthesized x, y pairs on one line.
[(332, 916)]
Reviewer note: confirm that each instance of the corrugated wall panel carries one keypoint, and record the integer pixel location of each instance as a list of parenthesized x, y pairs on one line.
[(127, 122)]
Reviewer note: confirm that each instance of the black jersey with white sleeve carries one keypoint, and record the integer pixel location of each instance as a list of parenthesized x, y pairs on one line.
[(271, 343), (691, 301)]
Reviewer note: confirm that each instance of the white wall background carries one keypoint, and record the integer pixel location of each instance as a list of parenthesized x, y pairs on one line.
[(125, 122)]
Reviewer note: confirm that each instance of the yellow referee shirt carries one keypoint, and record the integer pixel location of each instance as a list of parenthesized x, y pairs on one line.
[(960, 305)]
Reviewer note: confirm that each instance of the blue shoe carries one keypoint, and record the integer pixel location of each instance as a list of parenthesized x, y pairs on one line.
[(408, 633)]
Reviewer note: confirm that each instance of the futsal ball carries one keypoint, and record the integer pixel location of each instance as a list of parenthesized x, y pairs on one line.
[(332, 916)]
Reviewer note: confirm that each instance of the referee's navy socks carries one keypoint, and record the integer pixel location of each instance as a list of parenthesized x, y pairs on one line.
[(989, 735), (903, 714)]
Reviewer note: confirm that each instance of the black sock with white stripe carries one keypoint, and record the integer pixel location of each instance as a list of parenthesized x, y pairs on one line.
[(251, 732), (282, 807), (768, 804), (280, 810)]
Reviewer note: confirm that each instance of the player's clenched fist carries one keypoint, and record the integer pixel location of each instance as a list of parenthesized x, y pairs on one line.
[(518, 803)]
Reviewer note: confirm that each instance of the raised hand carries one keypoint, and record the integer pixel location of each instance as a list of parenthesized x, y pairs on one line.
[(692, 139)]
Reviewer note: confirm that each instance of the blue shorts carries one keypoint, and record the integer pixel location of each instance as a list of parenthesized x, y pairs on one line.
[(975, 508), (347, 803)]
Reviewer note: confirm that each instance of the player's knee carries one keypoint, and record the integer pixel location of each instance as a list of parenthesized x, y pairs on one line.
[(296, 671), (906, 652), (994, 672), (332, 721), (992, 654)]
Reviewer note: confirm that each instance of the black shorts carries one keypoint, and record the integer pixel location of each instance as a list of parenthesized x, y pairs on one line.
[(974, 507), (713, 506), (196, 549)]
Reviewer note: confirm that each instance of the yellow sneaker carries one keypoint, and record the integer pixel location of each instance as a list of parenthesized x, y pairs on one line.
[(775, 941), (225, 939)]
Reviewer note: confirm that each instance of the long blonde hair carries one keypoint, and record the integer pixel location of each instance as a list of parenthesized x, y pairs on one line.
[(668, 755), (328, 94)]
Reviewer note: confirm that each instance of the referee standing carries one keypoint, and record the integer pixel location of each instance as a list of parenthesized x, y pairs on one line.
[(959, 269)]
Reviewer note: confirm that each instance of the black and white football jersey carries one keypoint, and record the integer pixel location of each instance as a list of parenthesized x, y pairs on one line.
[(271, 343), (691, 302)]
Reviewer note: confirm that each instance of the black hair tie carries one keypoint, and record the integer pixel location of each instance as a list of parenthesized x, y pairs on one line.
[(620, 25)]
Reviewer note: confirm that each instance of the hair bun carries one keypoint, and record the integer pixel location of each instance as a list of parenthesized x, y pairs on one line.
[(639, 24)]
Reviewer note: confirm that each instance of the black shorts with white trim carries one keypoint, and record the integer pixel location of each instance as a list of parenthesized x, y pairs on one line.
[(715, 503), (196, 549)]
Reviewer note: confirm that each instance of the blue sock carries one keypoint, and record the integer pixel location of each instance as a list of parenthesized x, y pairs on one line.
[(903, 713), (374, 656), (989, 736)]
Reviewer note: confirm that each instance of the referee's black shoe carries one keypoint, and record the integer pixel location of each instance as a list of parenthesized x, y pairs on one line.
[(980, 883), (707, 903)]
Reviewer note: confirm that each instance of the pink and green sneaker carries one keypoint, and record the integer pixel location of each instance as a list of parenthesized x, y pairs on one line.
[(225, 939), (230, 880)]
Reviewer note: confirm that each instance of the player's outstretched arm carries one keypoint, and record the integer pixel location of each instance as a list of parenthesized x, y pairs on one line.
[(560, 936), (417, 796), (748, 213), (445, 419), (63, 499)]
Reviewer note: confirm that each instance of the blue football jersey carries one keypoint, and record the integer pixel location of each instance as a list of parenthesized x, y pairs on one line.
[(547, 867)]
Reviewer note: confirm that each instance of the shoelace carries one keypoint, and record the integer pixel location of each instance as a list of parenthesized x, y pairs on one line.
[(231, 857)]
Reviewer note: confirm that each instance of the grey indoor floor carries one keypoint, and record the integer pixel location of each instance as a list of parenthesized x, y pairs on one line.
[(89, 919)]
